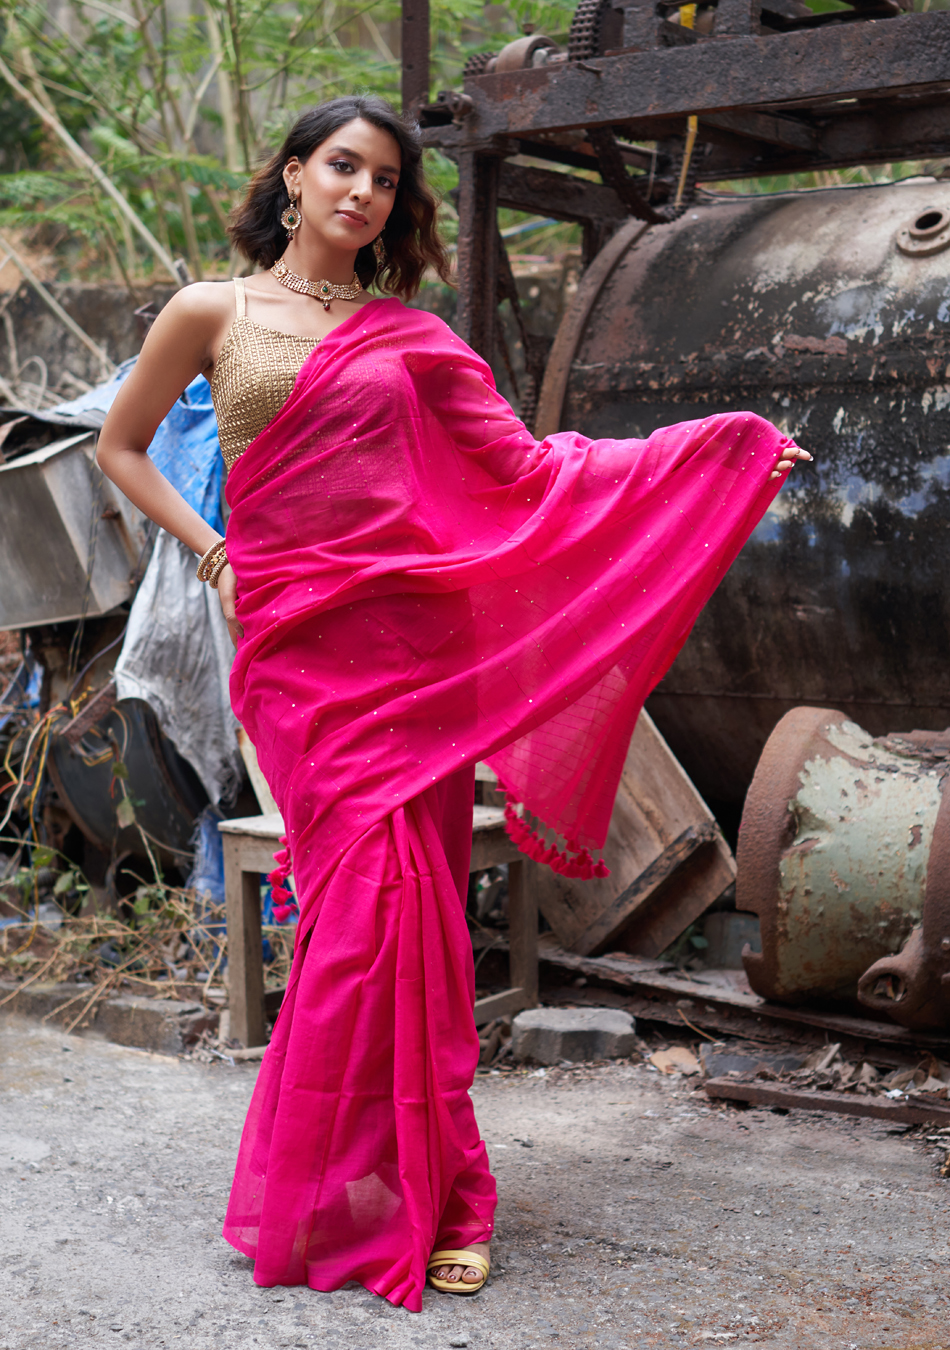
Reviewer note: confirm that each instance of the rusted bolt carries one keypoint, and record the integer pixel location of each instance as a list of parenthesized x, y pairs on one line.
[(945, 944), (459, 105)]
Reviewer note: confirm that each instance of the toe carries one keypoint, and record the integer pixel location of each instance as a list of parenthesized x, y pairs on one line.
[(471, 1276)]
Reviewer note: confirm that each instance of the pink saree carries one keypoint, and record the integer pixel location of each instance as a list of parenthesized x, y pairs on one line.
[(423, 585)]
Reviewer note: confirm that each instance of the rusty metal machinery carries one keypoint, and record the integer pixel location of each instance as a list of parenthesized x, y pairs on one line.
[(844, 854), (742, 88)]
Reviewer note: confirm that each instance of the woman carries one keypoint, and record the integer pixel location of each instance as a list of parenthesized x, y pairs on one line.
[(412, 584)]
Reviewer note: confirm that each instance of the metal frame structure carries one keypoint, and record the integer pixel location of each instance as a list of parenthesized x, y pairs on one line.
[(742, 88)]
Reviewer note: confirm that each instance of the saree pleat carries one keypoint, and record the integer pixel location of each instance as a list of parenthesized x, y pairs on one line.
[(361, 1150), (423, 585)]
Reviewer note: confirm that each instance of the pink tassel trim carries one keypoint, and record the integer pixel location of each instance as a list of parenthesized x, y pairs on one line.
[(282, 896), (533, 846)]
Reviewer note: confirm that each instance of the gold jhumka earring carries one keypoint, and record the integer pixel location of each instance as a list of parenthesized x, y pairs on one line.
[(291, 217), (379, 253)]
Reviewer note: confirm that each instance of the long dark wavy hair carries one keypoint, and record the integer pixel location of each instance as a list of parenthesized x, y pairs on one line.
[(411, 238)]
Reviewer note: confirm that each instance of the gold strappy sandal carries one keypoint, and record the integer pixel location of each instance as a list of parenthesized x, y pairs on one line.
[(463, 1258)]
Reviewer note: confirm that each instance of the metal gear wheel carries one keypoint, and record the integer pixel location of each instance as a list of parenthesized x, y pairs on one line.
[(476, 64), (586, 37)]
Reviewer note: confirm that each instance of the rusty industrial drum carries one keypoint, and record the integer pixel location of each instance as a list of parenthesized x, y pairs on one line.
[(844, 854), (826, 312)]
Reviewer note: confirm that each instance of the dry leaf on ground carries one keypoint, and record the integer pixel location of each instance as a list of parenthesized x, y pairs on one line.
[(675, 1060)]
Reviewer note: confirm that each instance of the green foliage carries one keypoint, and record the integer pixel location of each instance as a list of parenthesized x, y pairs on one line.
[(179, 105), (178, 108)]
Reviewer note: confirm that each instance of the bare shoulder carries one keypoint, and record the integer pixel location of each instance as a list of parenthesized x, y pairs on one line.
[(191, 327), (204, 302)]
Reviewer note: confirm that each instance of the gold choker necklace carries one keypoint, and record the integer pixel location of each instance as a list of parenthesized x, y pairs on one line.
[(324, 291)]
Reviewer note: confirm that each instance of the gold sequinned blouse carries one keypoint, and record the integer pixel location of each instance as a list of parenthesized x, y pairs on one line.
[(254, 374)]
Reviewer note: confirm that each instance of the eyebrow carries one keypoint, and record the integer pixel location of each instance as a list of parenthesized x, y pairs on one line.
[(355, 154)]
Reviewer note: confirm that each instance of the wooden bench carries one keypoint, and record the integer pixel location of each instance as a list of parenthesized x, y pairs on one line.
[(249, 846)]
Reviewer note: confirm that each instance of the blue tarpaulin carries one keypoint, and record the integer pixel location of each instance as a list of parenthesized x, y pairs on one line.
[(186, 450)]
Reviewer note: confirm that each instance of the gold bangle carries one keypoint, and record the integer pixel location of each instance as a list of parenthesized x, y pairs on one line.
[(215, 574), (209, 558)]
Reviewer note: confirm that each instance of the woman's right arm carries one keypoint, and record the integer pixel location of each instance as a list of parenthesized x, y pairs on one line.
[(181, 344)]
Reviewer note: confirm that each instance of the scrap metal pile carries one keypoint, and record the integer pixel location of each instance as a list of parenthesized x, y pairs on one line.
[(116, 735)]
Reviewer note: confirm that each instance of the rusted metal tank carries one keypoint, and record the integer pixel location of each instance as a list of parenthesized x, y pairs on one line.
[(844, 854), (833, 853), (913, 985), (826, 312)]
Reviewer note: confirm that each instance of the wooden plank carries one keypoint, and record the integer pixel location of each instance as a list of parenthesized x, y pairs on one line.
[(498, 1005), (492, 847), (487, 817), (707, 993), (257, 855), (911, 1112), (245, 958), (656, 802), (259, 827), (522, 935), (611, 920), (680, 900)]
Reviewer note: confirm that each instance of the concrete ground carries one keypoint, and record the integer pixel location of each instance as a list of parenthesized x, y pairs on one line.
[(632, 1214)]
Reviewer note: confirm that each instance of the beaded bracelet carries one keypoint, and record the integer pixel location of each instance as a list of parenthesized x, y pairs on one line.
[(209, 559), (220, 563)]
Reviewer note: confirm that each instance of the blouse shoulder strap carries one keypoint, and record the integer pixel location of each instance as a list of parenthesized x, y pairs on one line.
[(240, 302)]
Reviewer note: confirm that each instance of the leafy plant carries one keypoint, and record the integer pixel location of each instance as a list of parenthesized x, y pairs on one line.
[(177, 109), (132, 125)]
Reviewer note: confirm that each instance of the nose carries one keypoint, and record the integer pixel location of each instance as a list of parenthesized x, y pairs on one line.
[(361, 188)]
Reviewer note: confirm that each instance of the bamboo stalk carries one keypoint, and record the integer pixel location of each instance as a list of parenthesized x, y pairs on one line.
[(240, 79), (232, 153), (91, 167)]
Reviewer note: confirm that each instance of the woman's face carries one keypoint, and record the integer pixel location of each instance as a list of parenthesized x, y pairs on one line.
[(347, 187)]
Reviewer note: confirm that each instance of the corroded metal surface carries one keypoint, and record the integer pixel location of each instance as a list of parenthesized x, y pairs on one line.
[(414, 35), (833, 854), (68, 538), (645, 86), (826, 312), (802, 308), (752, 87), (913, 987)]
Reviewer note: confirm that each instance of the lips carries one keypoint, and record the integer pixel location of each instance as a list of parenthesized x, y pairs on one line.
[(354, 216)]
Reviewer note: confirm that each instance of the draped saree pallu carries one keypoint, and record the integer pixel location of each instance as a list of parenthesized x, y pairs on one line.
[(422, 585)]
